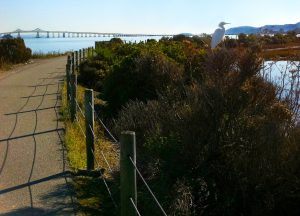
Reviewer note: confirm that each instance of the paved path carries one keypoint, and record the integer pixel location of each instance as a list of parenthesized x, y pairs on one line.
[(33, 171)]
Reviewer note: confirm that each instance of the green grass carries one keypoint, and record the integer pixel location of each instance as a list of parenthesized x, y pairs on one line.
[(91, 193)]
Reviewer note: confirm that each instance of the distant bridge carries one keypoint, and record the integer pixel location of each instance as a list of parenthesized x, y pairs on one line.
[(39, 32)]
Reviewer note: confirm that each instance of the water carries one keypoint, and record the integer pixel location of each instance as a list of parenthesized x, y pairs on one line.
[(281, 72), (286, 76), (46, 45)]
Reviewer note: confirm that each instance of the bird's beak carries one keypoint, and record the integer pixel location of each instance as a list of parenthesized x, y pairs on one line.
[(227, 23)]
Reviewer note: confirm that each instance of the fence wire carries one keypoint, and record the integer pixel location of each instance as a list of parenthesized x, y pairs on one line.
[(147, 186), (93, 152), (134, 206), (104, 181), (93, 132), (104, 126), (82, 131), (106, 161), (80, 110)]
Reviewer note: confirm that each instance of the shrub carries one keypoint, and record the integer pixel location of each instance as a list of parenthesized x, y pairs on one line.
[(213, 137), (227, 140), (14, 51), (92, 75), (142, 75)]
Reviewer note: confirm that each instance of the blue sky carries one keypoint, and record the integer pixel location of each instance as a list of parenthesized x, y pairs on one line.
[(144, 16)]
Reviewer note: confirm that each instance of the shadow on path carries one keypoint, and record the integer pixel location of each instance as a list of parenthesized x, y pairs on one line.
[(60, 190)]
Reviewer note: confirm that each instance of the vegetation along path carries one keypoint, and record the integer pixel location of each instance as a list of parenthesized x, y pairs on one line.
[(34, 173)]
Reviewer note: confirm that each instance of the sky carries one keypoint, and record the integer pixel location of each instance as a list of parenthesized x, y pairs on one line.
[(144, 16)]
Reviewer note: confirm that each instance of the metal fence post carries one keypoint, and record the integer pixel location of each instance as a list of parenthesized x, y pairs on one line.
[(73, 96), (89, 127), (128, 173)]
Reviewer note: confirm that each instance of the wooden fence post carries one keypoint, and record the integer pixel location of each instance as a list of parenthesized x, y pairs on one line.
[(83, 54), (73, 96), (80, 56), (89, 127), (69, 61), (128, 173), (68, 74), (73, 63), (76, 60), (92, 51)]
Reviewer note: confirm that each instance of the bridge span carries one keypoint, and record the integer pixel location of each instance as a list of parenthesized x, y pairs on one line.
[(45, 33)]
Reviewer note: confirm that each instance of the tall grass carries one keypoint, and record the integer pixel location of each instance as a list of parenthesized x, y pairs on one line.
[(91, 193)]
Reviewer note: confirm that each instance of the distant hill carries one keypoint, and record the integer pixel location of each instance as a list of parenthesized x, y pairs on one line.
[(7, 36), (267, 29)]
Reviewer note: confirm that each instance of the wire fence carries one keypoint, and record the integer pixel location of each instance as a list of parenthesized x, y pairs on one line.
[(111, 136), (84, 119), (147, 186)]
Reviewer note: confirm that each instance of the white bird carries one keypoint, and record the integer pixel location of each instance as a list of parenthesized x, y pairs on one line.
[(218, 35)]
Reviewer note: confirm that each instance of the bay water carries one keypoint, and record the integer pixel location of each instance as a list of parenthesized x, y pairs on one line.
[(62, 45)]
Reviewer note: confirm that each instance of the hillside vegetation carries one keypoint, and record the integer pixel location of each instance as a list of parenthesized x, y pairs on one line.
[(213, 136)]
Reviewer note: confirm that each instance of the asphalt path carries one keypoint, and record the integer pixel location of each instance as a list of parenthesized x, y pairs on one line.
[(34, 174)]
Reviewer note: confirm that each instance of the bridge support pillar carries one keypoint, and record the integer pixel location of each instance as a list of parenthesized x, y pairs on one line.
[(19, 34), (47, 34), (37, 34), (64, 34)]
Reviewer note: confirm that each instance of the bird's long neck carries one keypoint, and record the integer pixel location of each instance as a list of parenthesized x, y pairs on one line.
[(222, 27)]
